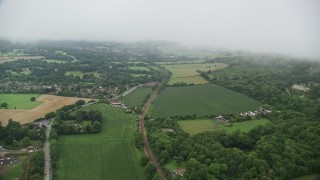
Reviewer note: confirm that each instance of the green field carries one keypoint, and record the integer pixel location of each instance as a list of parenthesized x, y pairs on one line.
[(55, 61), (173, 165), (180, 62), (13, 172), (309, 177), (19, 101), (139, 75), (188, 72), (201, 100), (80, 74), (25, 71), (110, 154), (136, 98), (13, 72), (141, 68), (202, 125)]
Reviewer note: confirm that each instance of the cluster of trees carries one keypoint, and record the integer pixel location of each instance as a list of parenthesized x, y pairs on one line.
[(54, 150), (33, 167), (4, 105), (77, 122), (284, 149), (15, 135)]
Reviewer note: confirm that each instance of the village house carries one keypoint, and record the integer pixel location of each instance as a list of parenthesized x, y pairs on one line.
[(222, 120)]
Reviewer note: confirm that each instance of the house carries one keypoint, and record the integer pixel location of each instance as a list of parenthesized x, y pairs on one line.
[(30, 149), (115, 103), (179, 172), (222, 120)]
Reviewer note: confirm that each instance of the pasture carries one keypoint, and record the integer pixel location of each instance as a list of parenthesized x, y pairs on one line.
[(137, 97), (202, 125), (4, 59), (80, 74), (19, 101), (25, 71), (200, 100), (188, 72), (50, 103), (140, 68), (10, 172), (55, 61), (110, 154), (140, 75), (173, 165)]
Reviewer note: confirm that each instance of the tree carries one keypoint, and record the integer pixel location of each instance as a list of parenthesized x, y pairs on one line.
[(26, 141), (33, 99), (4, 105), (50, 115), (150, 170), (80, 103)]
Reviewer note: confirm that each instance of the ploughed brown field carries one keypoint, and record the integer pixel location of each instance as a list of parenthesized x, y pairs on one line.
[(50, 104)]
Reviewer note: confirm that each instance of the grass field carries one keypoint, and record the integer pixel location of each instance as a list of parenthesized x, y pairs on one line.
[(55, 61), (25, 71), (13, 172), (180, 62), (111, 154), (20, 101), (173, 165), (188, 72), (309, 177), (141, 68), (139, 75), (13, 72), (201, 100), (80, 74), (136, 98), (202, 125)]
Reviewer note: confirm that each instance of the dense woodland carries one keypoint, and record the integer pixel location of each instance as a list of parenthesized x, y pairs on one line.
[(18, 136)]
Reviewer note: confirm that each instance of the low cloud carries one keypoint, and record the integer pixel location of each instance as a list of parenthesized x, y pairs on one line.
[(286, 26)]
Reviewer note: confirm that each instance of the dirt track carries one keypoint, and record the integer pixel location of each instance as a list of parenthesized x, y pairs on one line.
[(147, 148), (50, 104)]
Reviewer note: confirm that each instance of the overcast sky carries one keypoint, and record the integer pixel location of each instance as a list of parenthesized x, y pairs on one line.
[(280, 26)]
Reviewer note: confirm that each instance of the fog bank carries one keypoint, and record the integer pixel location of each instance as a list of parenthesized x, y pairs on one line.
[(285, 26)]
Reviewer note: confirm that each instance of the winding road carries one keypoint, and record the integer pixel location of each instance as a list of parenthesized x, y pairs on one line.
[(147, 148)]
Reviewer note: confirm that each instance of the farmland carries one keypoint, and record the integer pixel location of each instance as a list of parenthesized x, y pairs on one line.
[(50, 104), (137, 97), (80, 74), (55, 61), (188, 72), (201, 100), (4, 59), (19, 101), (111, 154), (140, 68), (202, 125), (140, 75)]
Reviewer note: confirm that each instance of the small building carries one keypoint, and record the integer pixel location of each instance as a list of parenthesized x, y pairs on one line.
[(179, 172), (30, 149)]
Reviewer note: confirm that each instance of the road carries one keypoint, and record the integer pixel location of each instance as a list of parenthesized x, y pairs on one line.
[(46, 149), (151, 156)]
